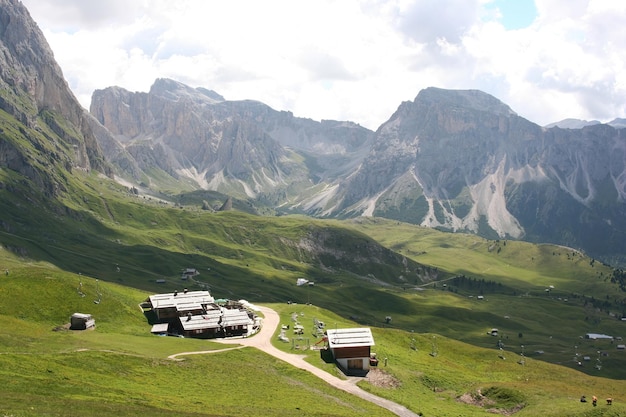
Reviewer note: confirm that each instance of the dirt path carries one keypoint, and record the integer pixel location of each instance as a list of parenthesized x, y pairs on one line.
[(262, 341)]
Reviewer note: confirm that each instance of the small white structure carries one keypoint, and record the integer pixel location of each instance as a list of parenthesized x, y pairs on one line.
[(80, 321), (351, 348), (595, 336), (160, 328)]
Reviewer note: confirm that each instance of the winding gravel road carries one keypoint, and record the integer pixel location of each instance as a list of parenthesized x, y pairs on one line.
[(262, 341)]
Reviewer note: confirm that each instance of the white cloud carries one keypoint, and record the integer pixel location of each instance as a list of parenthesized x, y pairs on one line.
[(348, 60)]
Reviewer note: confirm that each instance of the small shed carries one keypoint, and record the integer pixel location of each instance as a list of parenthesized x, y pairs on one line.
[(80, 321), (596, 336), (351, 348)]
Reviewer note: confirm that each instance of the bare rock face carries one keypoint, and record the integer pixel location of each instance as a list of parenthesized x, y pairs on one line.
[(464, 161), (243, 148), (34, 92), (457, 160), (454, 160)]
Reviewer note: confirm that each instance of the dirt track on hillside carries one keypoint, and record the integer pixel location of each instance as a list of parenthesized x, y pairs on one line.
[(262, 341)]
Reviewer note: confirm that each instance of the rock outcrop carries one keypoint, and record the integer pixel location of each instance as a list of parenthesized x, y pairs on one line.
[(455, 160), (34, 92), (464, 161), (243, 148)]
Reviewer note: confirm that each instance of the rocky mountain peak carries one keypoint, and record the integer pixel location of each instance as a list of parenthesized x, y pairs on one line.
[(26, 55), (34, 91), (572, 123), (240, 147), (618, 123), (173, 90), (466, 99)]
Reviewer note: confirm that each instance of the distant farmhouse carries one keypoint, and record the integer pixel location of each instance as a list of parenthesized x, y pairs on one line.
[(189, 273), (351, 349), (197, 314)]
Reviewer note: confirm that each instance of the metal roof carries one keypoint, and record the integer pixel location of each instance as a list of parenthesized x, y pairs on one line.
[(208, 320), (169, 300), (160, 328), (188, 306), (233, 317), (354, 337)]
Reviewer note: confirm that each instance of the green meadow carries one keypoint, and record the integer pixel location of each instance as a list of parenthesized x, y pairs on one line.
[(431, 299)]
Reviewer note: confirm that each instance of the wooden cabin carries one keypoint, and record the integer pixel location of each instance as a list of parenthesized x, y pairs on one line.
[(351, 348)]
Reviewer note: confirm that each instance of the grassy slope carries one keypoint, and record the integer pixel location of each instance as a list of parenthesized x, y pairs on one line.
[(525, 314), (239, 255), (120, 369), (432, 384)]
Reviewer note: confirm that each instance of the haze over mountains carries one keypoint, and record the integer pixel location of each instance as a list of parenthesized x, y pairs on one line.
[(457, 160)]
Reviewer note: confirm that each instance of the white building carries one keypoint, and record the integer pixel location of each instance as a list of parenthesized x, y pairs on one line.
[(351, 348)]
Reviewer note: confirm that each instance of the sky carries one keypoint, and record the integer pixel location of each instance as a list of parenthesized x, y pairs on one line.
[(355, 60)]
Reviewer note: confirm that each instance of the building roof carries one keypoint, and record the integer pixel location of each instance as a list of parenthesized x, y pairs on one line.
[(354, 337), (232, 317), (189, 306), (208, 320), (160, 328), (169, 300), (598, 336)]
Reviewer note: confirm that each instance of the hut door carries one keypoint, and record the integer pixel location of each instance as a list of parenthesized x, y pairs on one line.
[(355, 363)]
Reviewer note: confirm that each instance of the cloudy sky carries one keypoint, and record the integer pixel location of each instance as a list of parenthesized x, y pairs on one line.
[(351, 59)]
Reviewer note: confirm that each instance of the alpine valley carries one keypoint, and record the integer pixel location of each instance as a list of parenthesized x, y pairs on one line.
[(484, 252), (459, 161)]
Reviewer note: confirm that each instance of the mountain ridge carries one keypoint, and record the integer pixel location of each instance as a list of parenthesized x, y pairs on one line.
[(457, 160)]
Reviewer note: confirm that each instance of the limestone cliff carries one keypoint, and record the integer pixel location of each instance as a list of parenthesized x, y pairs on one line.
[(464, 161), (458, 160), (242, 148), (34, 93)]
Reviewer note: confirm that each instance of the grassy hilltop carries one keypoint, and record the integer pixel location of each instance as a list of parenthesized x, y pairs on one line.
[(102, 241)]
